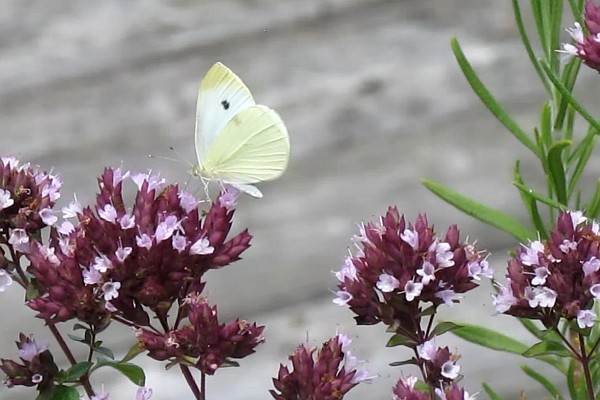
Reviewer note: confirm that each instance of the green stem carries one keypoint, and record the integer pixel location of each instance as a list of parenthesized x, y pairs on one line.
[(85, 382)]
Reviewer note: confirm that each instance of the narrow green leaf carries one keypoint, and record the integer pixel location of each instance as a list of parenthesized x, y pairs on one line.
[(590, 143), (479, 211), (555, 28), (568, 77), (77, 371), (488, 100), (490, 392), (490, 339), (527, 44), (532, 328), (547, 348), (443, 327), (399, 340), (557, 170), (577, 10), (530, 203), (572, 384), (538, 17), (133, 352), (412, 361), (569, 97), (539, 197), (593, 207), (582, 146), (546, 125), (542, 380)]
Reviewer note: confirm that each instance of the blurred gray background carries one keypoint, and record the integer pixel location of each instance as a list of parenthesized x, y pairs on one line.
[(373, 101)]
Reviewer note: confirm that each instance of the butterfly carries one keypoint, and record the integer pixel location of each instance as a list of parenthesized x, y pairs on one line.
[(238, 142)]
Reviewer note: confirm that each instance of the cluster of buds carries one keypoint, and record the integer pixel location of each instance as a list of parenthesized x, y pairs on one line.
[(203, 343), (115, 260), (27, 196), (37, 367), (396, 267), (557, 278), (586, 46), (324, 374)]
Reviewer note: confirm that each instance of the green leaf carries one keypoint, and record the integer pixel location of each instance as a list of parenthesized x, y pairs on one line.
[(134, 351), (557, 171), (105, 351), (569, 77), (479, 211), (60, 392), (554, 29), (572, 381), (527, 44), (134, 373), (529, 202), (593, 208), (547, 348), (443, 327), (488, 100), (541, 379), (588, 144), (566, 93), (76, 338), (77, 371), (490, 392), (400, 340), (546, 125), (80, 326), (539, 197), (412, 361), (32, 291), (490, 339), (65, 393)]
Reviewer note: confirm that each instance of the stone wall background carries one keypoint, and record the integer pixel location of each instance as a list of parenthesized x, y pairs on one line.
[(373, 100)]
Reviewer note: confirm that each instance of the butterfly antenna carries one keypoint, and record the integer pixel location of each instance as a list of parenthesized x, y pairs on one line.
[(185, 160), (178, 159)]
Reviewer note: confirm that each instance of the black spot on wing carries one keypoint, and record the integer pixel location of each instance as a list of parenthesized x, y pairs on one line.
[(225, 104)]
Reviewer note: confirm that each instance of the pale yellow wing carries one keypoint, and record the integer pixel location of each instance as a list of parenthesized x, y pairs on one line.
[(253, 147), (222, 95)]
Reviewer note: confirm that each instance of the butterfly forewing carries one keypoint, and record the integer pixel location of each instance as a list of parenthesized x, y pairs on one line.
[(254, 146), (221, 96)]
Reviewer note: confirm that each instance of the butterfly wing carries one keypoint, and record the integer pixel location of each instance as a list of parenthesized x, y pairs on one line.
[(253, 147), (222, 95)]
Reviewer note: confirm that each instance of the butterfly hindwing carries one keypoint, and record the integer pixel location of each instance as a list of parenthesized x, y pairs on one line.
[(222, 95), (253, 146)]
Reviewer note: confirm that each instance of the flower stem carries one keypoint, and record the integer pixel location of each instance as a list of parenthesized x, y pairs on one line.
[(198, 395), (585, 362), (24, 282), (85, 382)]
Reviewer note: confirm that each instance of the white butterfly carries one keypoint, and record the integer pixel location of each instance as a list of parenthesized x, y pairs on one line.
[(238, 142)]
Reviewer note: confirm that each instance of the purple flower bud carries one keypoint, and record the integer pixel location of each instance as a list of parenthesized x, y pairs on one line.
[(555, 278), (326, 373), (397, 267), (132, 256)]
